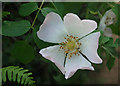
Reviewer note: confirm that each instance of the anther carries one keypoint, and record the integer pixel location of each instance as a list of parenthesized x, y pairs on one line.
[(76, 37), (71, 36), (70, 45)]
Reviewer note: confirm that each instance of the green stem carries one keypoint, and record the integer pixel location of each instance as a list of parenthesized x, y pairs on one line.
[(37, 14), (108, 51), (54, 5)]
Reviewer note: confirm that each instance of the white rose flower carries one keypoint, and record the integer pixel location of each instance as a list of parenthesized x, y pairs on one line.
[(68, 56), (108, 19)]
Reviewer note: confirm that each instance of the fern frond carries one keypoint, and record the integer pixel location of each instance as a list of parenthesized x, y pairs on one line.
[(15, 73)]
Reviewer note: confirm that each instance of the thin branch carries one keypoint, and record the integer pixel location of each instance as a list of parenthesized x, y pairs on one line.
[(37, 14), (108, 51)]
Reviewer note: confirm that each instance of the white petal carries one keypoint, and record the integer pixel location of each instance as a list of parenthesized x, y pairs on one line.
[(75, 63), (77, 27), (53, 54), (89, 47), (110, 17), (102, 24), (52, 29), (108, 32)]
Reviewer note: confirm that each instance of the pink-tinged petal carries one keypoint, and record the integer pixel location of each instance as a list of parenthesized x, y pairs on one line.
[(89, 47), (74, 63), (77, 27), (52, 29), (55, 55)]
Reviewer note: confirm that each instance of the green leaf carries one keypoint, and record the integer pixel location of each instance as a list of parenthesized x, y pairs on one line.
[(15, 72), (21, 75), (59, 7), (110, 62), (28, 79), (57, 78), (114, 52), (15, 28), (117, 42), (10, 73), (47, 10), (4, 74), (23, 52), (110, 57), (103, 39), (116, 27), (73, 7), (110, 43), (24, 77), (5, 13), (28, 8), (93, 6), (116, 10)]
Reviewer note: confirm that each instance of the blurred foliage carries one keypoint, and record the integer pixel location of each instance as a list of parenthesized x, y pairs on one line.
[(116, 27), (24, 56), (109, 46), (5, 13), (21, 45)]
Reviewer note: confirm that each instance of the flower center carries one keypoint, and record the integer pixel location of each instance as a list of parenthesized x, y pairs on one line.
[(71, 46)]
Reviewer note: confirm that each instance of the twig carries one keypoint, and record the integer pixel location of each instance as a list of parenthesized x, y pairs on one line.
[(37, 14)]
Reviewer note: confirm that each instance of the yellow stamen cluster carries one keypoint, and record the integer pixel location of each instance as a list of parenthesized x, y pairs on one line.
[(71, 46)]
